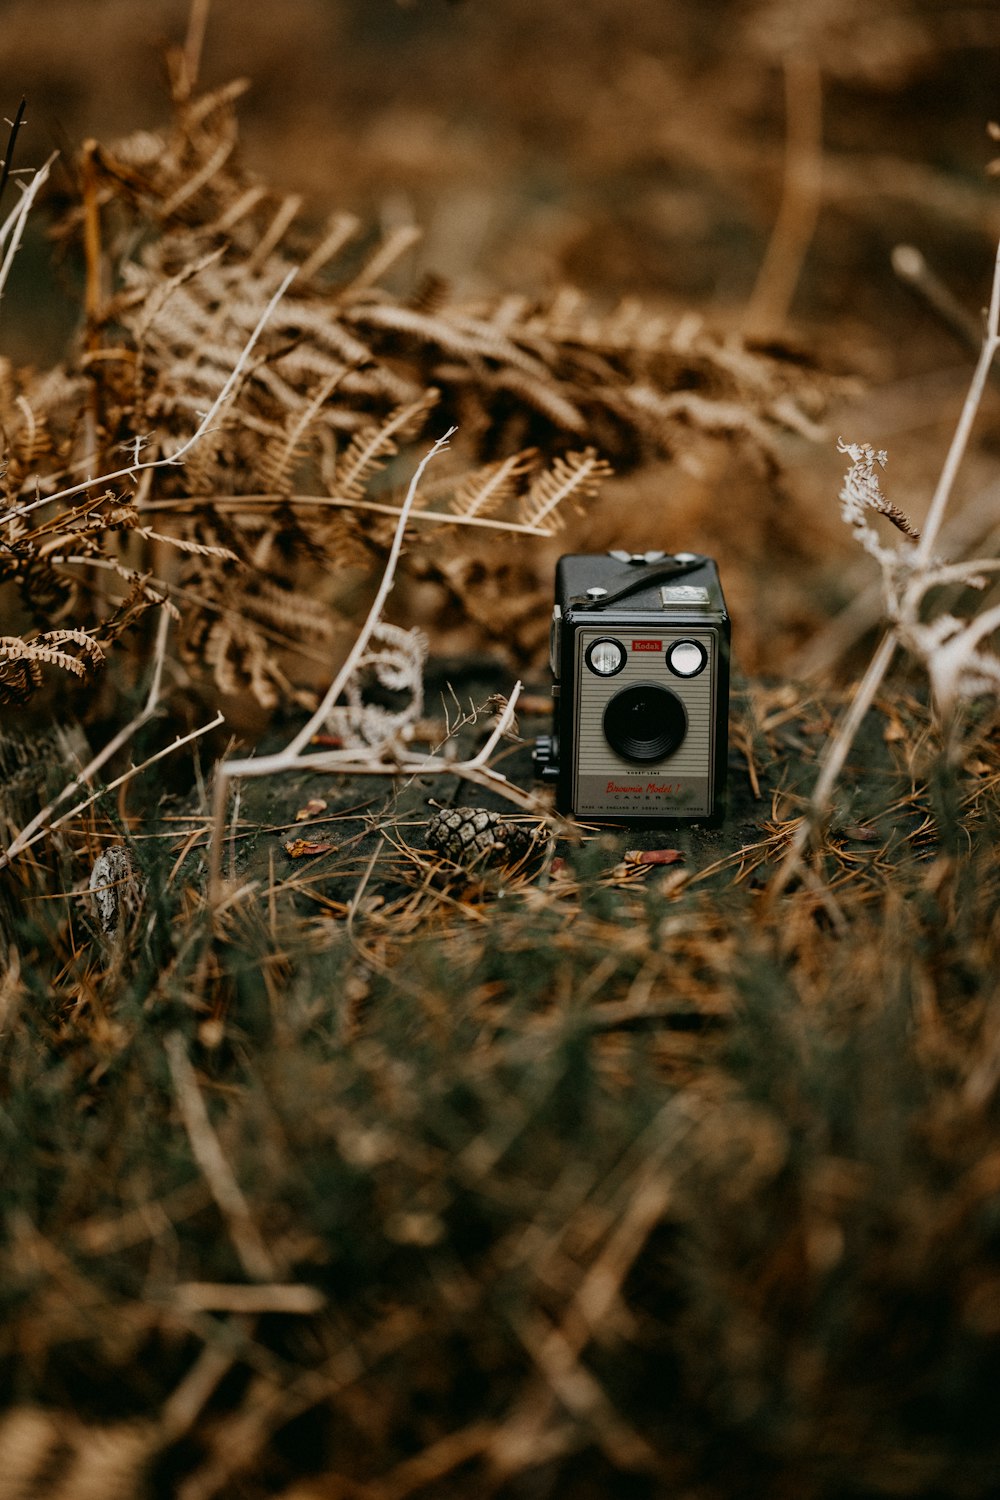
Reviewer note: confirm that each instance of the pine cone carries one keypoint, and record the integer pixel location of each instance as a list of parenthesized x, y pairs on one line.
[(117, 888), (473, 836)]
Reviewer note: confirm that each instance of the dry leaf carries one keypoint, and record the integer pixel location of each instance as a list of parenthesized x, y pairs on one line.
[(312, 809), (305, 848), (654, 856)]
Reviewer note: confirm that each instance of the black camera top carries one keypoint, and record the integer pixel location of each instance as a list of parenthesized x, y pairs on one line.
[(594, 582)]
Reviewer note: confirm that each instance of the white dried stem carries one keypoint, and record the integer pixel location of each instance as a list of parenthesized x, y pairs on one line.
[(960, 440), (12, 230), (41, 822), (335, 689), (801, 197), (273, 1297), (348, 762), (254, 1256), (960, 650), (338, 502), (194, 43)]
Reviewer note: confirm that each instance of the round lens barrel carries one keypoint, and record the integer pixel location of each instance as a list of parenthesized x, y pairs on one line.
[(605, 657), (687, 658), (644, 722)]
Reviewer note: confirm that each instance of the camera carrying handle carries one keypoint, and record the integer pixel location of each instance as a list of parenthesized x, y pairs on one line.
[(638, 579)]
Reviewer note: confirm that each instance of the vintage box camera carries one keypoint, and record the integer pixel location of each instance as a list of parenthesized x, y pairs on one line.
[(639, 650)]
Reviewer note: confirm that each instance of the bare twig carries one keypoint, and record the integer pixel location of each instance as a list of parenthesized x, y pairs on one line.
[(433, 1463), (15, 126), (356, 652), (254, 1256), (337, 502), (185, 1403), (910, 265), (349, 762), (839, 745), (12, 229), (194, 42), (800, 200), (41, 822), (267, 1297), (581, 1393), (959, 442)]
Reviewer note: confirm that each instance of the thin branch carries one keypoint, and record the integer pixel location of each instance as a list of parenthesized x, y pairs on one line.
[(338, 502), (270, 1297), (800, 199), (15, 127), (186, 1402), (194, 42), (838, 747), (835, 756), (335, 689), (911, 266), (13, 226), (40, 822), (39, 825), (959, 442), (159, 656), (291, 755), (254, 1256), (348, 762)]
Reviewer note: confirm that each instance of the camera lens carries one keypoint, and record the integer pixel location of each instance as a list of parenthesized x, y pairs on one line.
[(605, 657), (687, 658), (644, 722)]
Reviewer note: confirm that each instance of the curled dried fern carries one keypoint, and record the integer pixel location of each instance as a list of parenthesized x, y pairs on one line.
[(21, 660), (577, 477)]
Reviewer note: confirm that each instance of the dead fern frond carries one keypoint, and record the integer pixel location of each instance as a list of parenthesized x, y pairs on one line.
[(183, 544), (281, 457), (240, 660), (20, 677), (313, 391), (577, 477), (45, 648), (34, 441), (370, 450), (542, 396), (487, 489), (862, 492), (291, 611)]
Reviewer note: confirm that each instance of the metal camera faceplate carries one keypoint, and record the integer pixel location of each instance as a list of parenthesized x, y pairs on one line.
[(639, 649), (667, 686)]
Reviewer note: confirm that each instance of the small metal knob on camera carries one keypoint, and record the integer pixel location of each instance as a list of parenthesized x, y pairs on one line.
[(544, 759)]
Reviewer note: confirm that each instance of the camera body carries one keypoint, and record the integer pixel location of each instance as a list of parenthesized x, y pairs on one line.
[(639, 649)]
